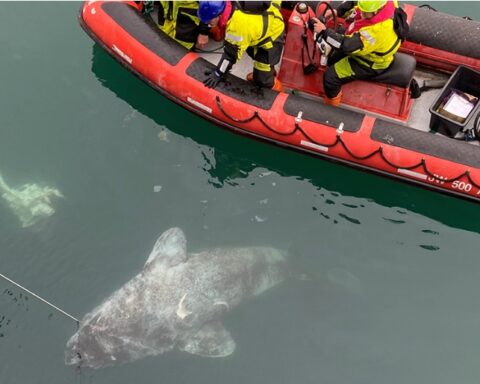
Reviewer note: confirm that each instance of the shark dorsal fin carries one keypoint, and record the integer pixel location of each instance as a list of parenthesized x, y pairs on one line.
[(170, 249)]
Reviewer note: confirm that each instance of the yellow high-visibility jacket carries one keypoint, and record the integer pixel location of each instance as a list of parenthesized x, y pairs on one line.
[(380, 43), (251, 30), (179, 20)]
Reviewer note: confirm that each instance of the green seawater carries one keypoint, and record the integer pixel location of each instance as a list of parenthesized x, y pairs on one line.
[(391, 272)]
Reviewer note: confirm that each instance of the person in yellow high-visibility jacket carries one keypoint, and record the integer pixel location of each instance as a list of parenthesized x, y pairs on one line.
[(189, 22), (257, 28), (365, 50)]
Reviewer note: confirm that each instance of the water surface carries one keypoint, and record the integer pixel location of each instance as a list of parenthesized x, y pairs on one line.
[(390, 293)]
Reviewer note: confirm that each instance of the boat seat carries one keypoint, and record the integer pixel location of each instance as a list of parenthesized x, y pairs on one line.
[(400, 72)]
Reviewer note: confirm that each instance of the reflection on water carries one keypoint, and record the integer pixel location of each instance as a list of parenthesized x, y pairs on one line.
[(20, 300)]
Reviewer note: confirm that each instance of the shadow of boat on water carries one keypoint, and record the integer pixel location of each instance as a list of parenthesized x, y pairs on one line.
[(240, 155)]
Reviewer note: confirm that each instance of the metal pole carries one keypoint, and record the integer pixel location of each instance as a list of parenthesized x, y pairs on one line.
[(39, 298)]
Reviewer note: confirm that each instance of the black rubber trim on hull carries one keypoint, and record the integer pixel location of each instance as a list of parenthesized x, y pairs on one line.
[(233, 86), (446, 32), (145, 31), (323, 114), (427, 143)]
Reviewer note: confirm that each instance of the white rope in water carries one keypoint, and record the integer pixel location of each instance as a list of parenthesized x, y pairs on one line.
[(39, 298)]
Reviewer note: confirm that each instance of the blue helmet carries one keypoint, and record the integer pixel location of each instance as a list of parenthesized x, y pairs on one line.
[(208, 10)]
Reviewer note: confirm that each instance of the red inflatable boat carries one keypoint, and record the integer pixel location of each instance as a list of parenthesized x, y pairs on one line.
[(378, 127)]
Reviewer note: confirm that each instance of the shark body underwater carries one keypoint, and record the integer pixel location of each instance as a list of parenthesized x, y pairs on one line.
[(177, 300)]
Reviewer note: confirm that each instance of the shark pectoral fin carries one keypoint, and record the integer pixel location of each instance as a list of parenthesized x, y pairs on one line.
[(170, 249), (212, 340)]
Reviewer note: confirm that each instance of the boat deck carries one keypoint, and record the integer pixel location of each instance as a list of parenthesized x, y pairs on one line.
[(419, 116)]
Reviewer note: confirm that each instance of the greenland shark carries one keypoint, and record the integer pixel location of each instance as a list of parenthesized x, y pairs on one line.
[(176, 301)]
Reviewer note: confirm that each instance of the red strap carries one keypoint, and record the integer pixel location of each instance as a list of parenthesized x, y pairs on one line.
[(222, 22), (385, 13)]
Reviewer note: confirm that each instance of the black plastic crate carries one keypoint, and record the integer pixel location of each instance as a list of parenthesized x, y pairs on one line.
[(465, 80)]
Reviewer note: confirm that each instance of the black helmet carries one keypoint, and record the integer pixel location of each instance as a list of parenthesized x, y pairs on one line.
[(254, 7)]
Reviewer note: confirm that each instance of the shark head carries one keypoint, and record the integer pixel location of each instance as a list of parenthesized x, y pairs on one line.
[(89, 348), (99, 343)]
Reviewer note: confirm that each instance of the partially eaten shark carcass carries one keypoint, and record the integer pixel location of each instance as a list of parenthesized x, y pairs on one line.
[(30, 203), (177, 300)]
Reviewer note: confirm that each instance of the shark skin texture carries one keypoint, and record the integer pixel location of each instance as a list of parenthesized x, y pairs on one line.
[(176, 301)]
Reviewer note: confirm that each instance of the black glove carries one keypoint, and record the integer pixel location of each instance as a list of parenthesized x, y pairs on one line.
[(213, 79)]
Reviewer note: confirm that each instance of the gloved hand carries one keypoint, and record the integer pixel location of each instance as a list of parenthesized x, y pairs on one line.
[(213, 79)]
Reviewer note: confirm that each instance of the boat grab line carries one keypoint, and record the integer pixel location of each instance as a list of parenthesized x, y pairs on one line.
[(407, 170)]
